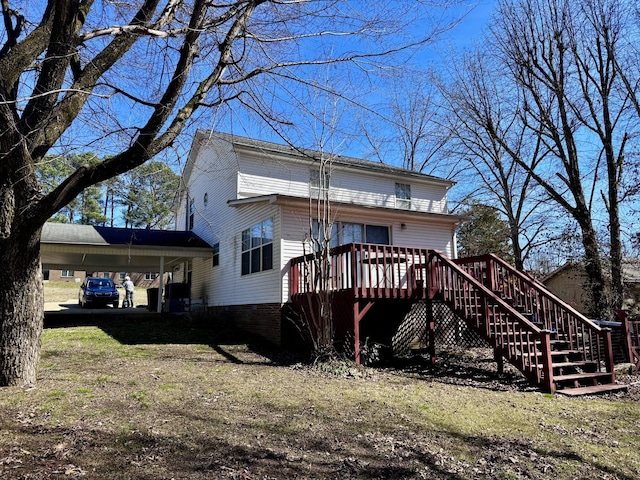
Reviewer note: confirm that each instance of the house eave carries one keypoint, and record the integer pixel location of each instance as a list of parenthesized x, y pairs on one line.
[(304, 203)]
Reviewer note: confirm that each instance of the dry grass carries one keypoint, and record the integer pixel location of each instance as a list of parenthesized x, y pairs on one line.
[(162, 399), (57, 292)]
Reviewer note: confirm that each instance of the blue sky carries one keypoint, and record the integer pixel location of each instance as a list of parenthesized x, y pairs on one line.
[(473, 25)]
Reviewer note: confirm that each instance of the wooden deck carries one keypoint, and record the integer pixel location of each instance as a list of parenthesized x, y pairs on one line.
[(524, 323)]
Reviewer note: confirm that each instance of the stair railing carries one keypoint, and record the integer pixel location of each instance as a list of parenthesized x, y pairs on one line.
[(544, 308), (517, 339)]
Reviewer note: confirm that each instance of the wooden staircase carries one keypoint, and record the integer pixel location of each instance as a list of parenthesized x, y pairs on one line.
[(552, 344)]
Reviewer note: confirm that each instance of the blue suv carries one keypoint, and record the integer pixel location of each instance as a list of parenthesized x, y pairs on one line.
[(98, 291)]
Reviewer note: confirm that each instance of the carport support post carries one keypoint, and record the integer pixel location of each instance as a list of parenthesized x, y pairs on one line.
[(161, 285)]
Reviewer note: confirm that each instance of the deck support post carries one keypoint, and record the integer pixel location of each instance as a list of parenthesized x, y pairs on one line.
[(431, 331), (497, 356), (358, 314), (547, 366)]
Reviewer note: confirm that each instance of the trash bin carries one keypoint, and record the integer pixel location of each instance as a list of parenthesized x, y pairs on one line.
[(152, 299), (176, 297)]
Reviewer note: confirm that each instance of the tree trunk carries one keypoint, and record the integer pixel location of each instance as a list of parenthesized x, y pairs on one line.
[(21, 308), (595, 272), (514, 230)]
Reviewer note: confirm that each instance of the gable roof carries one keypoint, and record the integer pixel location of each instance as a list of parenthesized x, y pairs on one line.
[(300, 154)]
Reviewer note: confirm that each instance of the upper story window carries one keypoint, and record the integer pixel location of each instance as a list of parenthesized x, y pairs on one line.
[(318, 183), (403, 196), (192, 210), (257, 247)]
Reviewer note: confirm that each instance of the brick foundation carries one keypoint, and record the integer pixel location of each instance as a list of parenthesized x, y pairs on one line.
[(263, 320)]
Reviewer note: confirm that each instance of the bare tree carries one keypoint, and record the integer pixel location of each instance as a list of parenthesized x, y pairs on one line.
[(129, 77), (319, 318), (554, 52), (492, 142), (409, 129)]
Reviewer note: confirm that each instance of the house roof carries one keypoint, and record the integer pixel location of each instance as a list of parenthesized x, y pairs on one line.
[(630, 270), (271, 148), (88, 247)]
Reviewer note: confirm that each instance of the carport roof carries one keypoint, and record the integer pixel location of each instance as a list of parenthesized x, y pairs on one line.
[(92, 248)]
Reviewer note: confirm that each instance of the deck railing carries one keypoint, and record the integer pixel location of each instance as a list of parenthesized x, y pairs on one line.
[(545, 309), (369, 271)]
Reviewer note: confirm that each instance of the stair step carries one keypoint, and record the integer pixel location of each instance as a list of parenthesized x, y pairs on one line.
[(593, 389), (557, 353), (578, 363), (581, 376)]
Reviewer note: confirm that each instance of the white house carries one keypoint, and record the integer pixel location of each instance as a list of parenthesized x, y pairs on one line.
[(251, 200)]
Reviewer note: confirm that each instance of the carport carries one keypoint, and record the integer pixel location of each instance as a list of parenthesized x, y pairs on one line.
[(87, 247)]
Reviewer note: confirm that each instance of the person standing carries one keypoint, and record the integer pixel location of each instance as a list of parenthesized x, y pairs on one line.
[(128, 291)]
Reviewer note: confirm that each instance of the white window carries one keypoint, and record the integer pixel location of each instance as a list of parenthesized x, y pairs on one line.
[(403, 196), (257, 247), (216, 254), (192, 209), (67, 273), (150, 276), (343, 233), (318, 184), (122, 275)]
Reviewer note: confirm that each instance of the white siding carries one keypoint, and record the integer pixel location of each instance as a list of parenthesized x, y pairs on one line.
[(427, 198), (215, 173), (260, 176)]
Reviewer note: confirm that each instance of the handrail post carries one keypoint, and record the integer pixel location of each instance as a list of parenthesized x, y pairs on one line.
[(490, 276), (626, 335), (608, 349), (294, 274), (354, 268), (547, 367)]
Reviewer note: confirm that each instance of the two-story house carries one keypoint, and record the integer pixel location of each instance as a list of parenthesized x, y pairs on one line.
[(253, 201)]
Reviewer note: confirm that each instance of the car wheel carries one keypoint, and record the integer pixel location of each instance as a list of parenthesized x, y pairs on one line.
[(115, 304)]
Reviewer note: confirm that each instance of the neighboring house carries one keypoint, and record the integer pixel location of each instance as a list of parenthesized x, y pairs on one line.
[(569, 283), (252, 201), (140, 279), (64, 275)]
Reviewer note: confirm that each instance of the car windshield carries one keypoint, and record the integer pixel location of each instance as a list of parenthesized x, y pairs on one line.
[(99, 283)]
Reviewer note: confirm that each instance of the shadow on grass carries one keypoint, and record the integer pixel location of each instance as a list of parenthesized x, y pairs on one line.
[(477, 371), (135, 454), (159, 329), (129, 453)]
